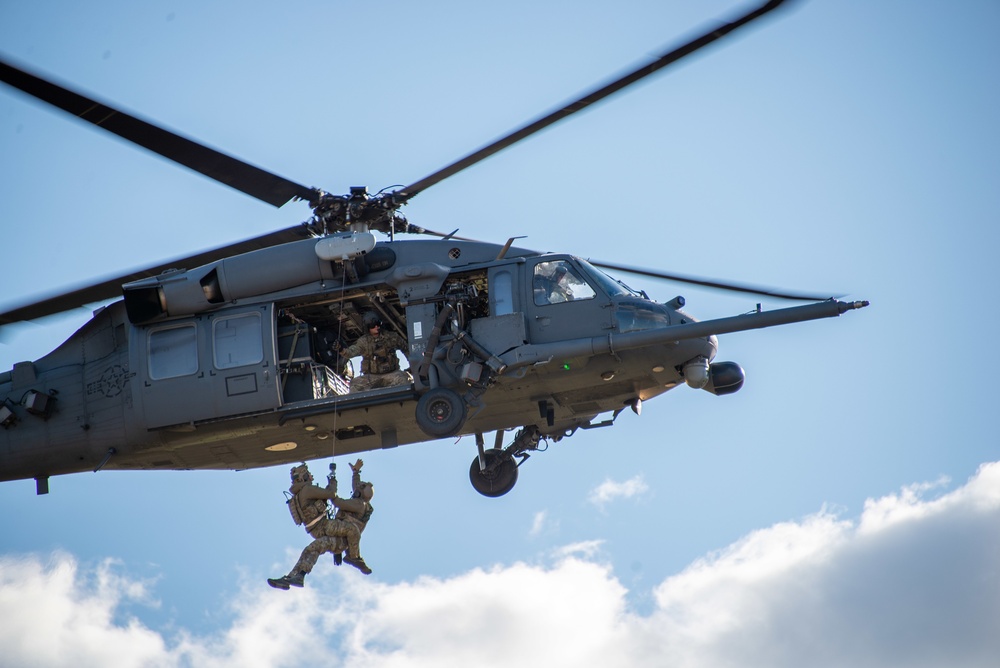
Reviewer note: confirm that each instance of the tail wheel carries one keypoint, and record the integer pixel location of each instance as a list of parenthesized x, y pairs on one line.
[(440, 413), (498, 476)]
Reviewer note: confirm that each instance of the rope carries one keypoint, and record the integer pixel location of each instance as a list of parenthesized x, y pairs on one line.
[(338, 371)]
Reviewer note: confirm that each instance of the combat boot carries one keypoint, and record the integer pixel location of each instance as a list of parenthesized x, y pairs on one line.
[(284, 582), (358, 563)]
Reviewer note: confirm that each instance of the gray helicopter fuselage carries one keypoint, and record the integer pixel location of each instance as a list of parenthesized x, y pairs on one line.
[(237, 363), (222, 366), (176, 392)]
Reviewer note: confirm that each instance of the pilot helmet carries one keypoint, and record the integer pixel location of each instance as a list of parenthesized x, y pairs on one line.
[(371, 319)]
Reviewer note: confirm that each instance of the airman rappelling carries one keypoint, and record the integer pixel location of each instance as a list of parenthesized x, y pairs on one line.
[(308, 506)]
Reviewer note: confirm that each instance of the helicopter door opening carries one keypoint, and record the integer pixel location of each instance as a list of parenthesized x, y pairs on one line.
[(303, 355), (563, 304), (209, 367)]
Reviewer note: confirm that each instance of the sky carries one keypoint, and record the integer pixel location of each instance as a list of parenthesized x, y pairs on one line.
[(842, 509)]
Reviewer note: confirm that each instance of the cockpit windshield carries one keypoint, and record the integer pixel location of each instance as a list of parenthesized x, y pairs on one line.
[(612, 286)]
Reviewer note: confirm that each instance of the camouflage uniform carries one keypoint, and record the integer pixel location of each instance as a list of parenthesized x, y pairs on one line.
[(352, 516), (356, 510), (329, 535), (312, 505), (379, 364), (311, 554)]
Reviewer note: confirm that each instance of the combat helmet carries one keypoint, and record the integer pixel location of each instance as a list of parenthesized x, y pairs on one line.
[(299, 473)]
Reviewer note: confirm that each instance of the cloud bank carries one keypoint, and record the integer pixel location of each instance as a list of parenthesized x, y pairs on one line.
[(914, 582)]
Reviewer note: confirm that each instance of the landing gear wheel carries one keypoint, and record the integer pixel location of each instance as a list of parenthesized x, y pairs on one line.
[(499, 476), (440, 413)]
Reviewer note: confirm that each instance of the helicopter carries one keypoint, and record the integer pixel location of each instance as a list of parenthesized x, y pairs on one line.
[(234, 363)]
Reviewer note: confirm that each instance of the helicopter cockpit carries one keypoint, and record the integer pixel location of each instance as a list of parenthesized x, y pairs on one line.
[(634, 310), (557, 281)]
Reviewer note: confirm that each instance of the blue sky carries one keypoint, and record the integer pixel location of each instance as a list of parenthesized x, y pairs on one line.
[(842, 509)]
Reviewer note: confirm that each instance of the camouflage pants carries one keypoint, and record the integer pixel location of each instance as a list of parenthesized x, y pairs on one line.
[(313, 551), (372, 381), (330, 536)]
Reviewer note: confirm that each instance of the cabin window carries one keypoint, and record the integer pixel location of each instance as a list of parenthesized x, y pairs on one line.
[(557, 281), (502, 292), (237, 341), (173, 352)]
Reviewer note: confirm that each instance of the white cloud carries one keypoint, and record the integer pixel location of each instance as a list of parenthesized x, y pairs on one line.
[(587, 549), (912, 582), (543, 524), (53, 613), (538, 523), (610, 490)]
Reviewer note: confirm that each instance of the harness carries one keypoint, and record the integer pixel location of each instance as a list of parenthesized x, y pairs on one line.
[(382, 358), (301, 516), (314, 522)]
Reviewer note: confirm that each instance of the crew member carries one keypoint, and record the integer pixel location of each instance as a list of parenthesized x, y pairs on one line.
[(357, 510), (379, 364), (311, 503), (552, 288)]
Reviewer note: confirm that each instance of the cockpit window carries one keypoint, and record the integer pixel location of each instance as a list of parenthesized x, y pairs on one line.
[(613, 287), (557, 281), (634, 317)]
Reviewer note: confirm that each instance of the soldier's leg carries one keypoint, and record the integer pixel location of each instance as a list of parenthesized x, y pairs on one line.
[(353, 536), (361, 383), (390, 379), (347, 531), (309, 556), (302, 567), (398, 377)]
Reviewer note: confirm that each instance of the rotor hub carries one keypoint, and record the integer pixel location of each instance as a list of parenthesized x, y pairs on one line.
[(358, 212)]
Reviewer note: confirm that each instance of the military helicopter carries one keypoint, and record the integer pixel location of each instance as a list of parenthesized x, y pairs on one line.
[(235, 362)]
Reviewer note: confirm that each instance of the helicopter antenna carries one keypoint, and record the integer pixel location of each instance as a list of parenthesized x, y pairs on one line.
[(506, 247)]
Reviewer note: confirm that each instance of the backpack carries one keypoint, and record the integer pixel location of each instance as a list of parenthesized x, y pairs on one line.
[(293, 507)]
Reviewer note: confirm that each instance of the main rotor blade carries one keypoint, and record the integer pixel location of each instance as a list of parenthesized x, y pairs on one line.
[(585, 101), (112, 287), (214, 164), (712, 283)]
